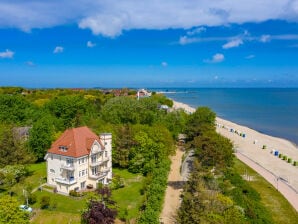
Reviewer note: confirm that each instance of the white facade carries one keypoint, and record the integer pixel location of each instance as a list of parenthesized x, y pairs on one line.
[(69, 173)]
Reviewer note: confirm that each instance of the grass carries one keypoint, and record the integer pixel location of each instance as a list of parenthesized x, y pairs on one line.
[(37, 175), (68, 210), (63, 203), (55, 217), (129, 198), (280, 209)]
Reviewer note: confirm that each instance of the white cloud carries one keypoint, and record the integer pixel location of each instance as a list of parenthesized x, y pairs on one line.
[(217, 58), (251, 56), (233, 43), (7, 54), (90, 44), (30, 63), (58, 50), (196, 31), (188, 40), (111, 17), (265, 38), (164, 64)]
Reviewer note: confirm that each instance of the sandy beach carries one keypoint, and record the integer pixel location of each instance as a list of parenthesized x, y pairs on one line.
[(250, 144)]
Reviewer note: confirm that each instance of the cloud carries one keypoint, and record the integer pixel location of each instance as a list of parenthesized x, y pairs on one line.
[(30, 63), (7, 54), (58, 50), (111, 17), (90, 44), (164, 64), (251, 56), (265, 38), (188, 40), (217, 58), (196, 31), (233, 43)]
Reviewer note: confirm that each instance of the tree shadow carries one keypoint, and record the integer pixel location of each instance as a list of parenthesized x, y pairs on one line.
[(176, 184)]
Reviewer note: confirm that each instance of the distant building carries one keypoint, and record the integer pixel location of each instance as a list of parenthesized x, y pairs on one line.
[(21, 133), (79, 159), (143, 93), (182, 139), (164, 107)]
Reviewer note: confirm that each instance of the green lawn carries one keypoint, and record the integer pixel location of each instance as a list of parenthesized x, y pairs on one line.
[(50, 217), (63, 203), (67, 209), (281, 210), (129, 198)]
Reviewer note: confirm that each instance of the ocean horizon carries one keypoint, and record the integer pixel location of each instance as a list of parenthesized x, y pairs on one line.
[(272, 111)]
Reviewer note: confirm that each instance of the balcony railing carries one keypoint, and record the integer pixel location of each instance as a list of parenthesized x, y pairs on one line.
[(68, 166), (68, 181), (98, 162), (98, 175)]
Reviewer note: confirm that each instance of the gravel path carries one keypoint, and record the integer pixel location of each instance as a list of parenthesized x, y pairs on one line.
[(173, 191)]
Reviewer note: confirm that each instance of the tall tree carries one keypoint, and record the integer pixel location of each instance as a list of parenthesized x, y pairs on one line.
[(14, 109), (12, 151), (41, 137), (203, 119)]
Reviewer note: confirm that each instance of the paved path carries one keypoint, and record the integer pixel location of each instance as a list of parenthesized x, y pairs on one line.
[(279, 183), (173, 191)]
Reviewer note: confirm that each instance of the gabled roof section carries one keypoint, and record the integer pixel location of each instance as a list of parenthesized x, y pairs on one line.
[(77, 142)]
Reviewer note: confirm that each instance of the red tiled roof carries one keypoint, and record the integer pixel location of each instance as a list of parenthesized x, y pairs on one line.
[(77, 140)]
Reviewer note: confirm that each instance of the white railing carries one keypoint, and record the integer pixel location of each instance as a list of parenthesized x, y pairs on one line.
[(67, 166), (99, 175), (64, 180), (98, 162)]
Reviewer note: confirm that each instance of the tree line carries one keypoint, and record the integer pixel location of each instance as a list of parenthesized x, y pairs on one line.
[(215, 192)]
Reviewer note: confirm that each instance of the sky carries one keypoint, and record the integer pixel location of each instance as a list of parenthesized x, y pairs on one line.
[(148, 43)]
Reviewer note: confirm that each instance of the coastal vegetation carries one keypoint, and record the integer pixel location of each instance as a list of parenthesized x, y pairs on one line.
[(144, 136), (215, 192)]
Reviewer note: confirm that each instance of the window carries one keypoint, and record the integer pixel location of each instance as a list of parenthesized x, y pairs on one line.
[(93, 158), (79, 173), (69, 162), (51, 157), (94, 170), (83, 173), (106, 143), (63, 148), (106, 154), (52, 171)]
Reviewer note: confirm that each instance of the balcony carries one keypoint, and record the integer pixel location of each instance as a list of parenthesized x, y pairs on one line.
[(68, 166), (99, 162), (68, 181), (98, 175)]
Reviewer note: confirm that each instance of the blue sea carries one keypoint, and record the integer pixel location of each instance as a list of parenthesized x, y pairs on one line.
[(272, 111)]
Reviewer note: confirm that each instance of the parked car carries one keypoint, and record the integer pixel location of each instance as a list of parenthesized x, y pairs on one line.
[(26, 208)]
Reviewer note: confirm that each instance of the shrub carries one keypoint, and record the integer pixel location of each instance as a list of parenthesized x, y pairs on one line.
[(45, 202), (264, 147), (280, 155), (74, 193), (284, 157), (117, 182), (295, 163), (32, 199), (289, 160)]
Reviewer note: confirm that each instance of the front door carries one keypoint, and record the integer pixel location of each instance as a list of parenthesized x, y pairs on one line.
[(83, 185)]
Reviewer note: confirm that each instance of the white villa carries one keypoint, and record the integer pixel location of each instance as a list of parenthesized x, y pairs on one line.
[(79, 159)]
